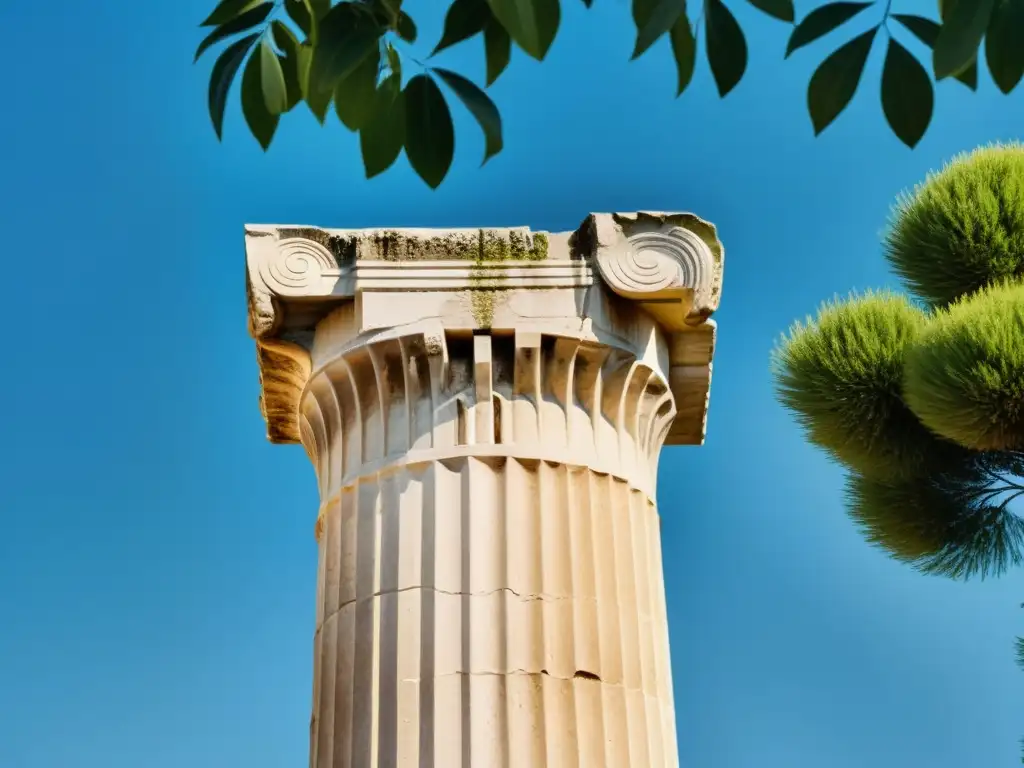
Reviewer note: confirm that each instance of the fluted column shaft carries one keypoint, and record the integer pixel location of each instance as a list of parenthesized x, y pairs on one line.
[(490, 587)]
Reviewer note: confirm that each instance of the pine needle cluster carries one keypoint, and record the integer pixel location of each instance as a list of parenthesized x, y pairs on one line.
[(922, 398)]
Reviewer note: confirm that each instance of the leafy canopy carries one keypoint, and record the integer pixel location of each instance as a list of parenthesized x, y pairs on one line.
[(350, 53)]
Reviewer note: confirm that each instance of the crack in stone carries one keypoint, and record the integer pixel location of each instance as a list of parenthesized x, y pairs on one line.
[(579, 675), (486, 593)]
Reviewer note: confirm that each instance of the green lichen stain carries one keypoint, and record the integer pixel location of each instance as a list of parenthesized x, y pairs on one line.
[(479, 245), (395, 245), (539, 251), (494, 248), (512, 246), (389, 245), (482, 300), (486, 248)]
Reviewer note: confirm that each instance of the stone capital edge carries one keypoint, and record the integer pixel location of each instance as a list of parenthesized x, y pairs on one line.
[(671, 264)]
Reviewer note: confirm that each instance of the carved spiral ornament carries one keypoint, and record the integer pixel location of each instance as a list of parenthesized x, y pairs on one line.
[(649, 262), (298, 265)]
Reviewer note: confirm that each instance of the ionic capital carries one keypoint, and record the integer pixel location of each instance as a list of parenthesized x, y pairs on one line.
[(642, 285)]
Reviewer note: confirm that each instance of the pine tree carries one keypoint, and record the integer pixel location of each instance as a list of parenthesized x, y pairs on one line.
[(921, 396)]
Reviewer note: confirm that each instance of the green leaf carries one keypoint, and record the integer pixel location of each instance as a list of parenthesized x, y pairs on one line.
[(317, 101), (291, 61), (247, 20), (354, 95), (464, 19), (393, 8), (960, 36), (394, 61), (480, 106), (684, 50), (305, 61), (346, 36), (907, 95), (1004, 44), (497, 48), (383, 136), (927, 31), (821, 21), (727, 48), (262, 122), (641, 10), (531, 23), (226, 10), (429, 133), (284, 38), (969, 76), (653, 18), (835, 81), (779, 9), (275, 91), (224, 71), (406, 28), (306, 14), (300, 12)]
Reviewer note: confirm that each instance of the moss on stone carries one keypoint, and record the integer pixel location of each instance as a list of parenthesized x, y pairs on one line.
[(517, 245), (342, 248), (395, 245), (482, 301), (493, 247), (539, 251), (486, 248), (513, 245), (485, 281), (389, 244)]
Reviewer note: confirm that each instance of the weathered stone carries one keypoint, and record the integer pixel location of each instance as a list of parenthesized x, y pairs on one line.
[(669, 263), (485, 409)]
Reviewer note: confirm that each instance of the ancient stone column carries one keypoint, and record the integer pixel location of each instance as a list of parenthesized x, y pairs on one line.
[(485, 409)]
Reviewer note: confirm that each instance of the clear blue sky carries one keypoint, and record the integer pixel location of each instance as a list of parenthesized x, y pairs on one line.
[(157, 560)]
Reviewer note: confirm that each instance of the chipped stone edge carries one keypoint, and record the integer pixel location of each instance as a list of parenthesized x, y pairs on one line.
[(657, 256)]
